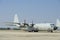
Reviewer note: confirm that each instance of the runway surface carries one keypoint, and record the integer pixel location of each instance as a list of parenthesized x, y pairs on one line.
[(19, 35)]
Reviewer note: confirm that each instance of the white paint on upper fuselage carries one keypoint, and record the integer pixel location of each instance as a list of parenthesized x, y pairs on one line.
[(43, 26)]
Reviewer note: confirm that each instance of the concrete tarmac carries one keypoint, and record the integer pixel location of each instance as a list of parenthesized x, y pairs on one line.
[(20, 35)]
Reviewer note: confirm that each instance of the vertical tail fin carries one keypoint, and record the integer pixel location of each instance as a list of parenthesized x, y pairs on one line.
[(58, 23), (16, 18)]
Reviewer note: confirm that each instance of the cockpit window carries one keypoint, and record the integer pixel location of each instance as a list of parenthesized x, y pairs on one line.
[(52, 25)]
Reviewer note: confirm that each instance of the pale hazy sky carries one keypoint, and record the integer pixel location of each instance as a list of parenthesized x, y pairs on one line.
[(36, 10)]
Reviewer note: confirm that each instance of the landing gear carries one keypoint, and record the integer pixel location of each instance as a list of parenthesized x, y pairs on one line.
[(51, 31), (33, 31), (30, 31)]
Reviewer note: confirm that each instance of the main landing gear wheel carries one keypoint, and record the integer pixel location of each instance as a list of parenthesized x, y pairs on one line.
[(51, 31), (35, 30)]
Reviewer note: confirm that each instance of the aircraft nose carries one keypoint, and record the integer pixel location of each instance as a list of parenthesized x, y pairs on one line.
[(55, 27)]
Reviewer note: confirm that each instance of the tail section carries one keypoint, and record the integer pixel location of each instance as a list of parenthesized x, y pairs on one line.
[(16, 18), (58, 23), (16, 21)]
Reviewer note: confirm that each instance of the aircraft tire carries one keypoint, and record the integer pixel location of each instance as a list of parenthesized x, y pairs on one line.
[(30, 31), (51, 31), (35, 30)]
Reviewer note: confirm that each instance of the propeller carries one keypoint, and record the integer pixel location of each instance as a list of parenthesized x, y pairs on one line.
[(25, 24), (32, 24)]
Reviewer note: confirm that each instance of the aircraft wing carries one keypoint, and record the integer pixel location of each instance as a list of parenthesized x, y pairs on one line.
[(9, 23)]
